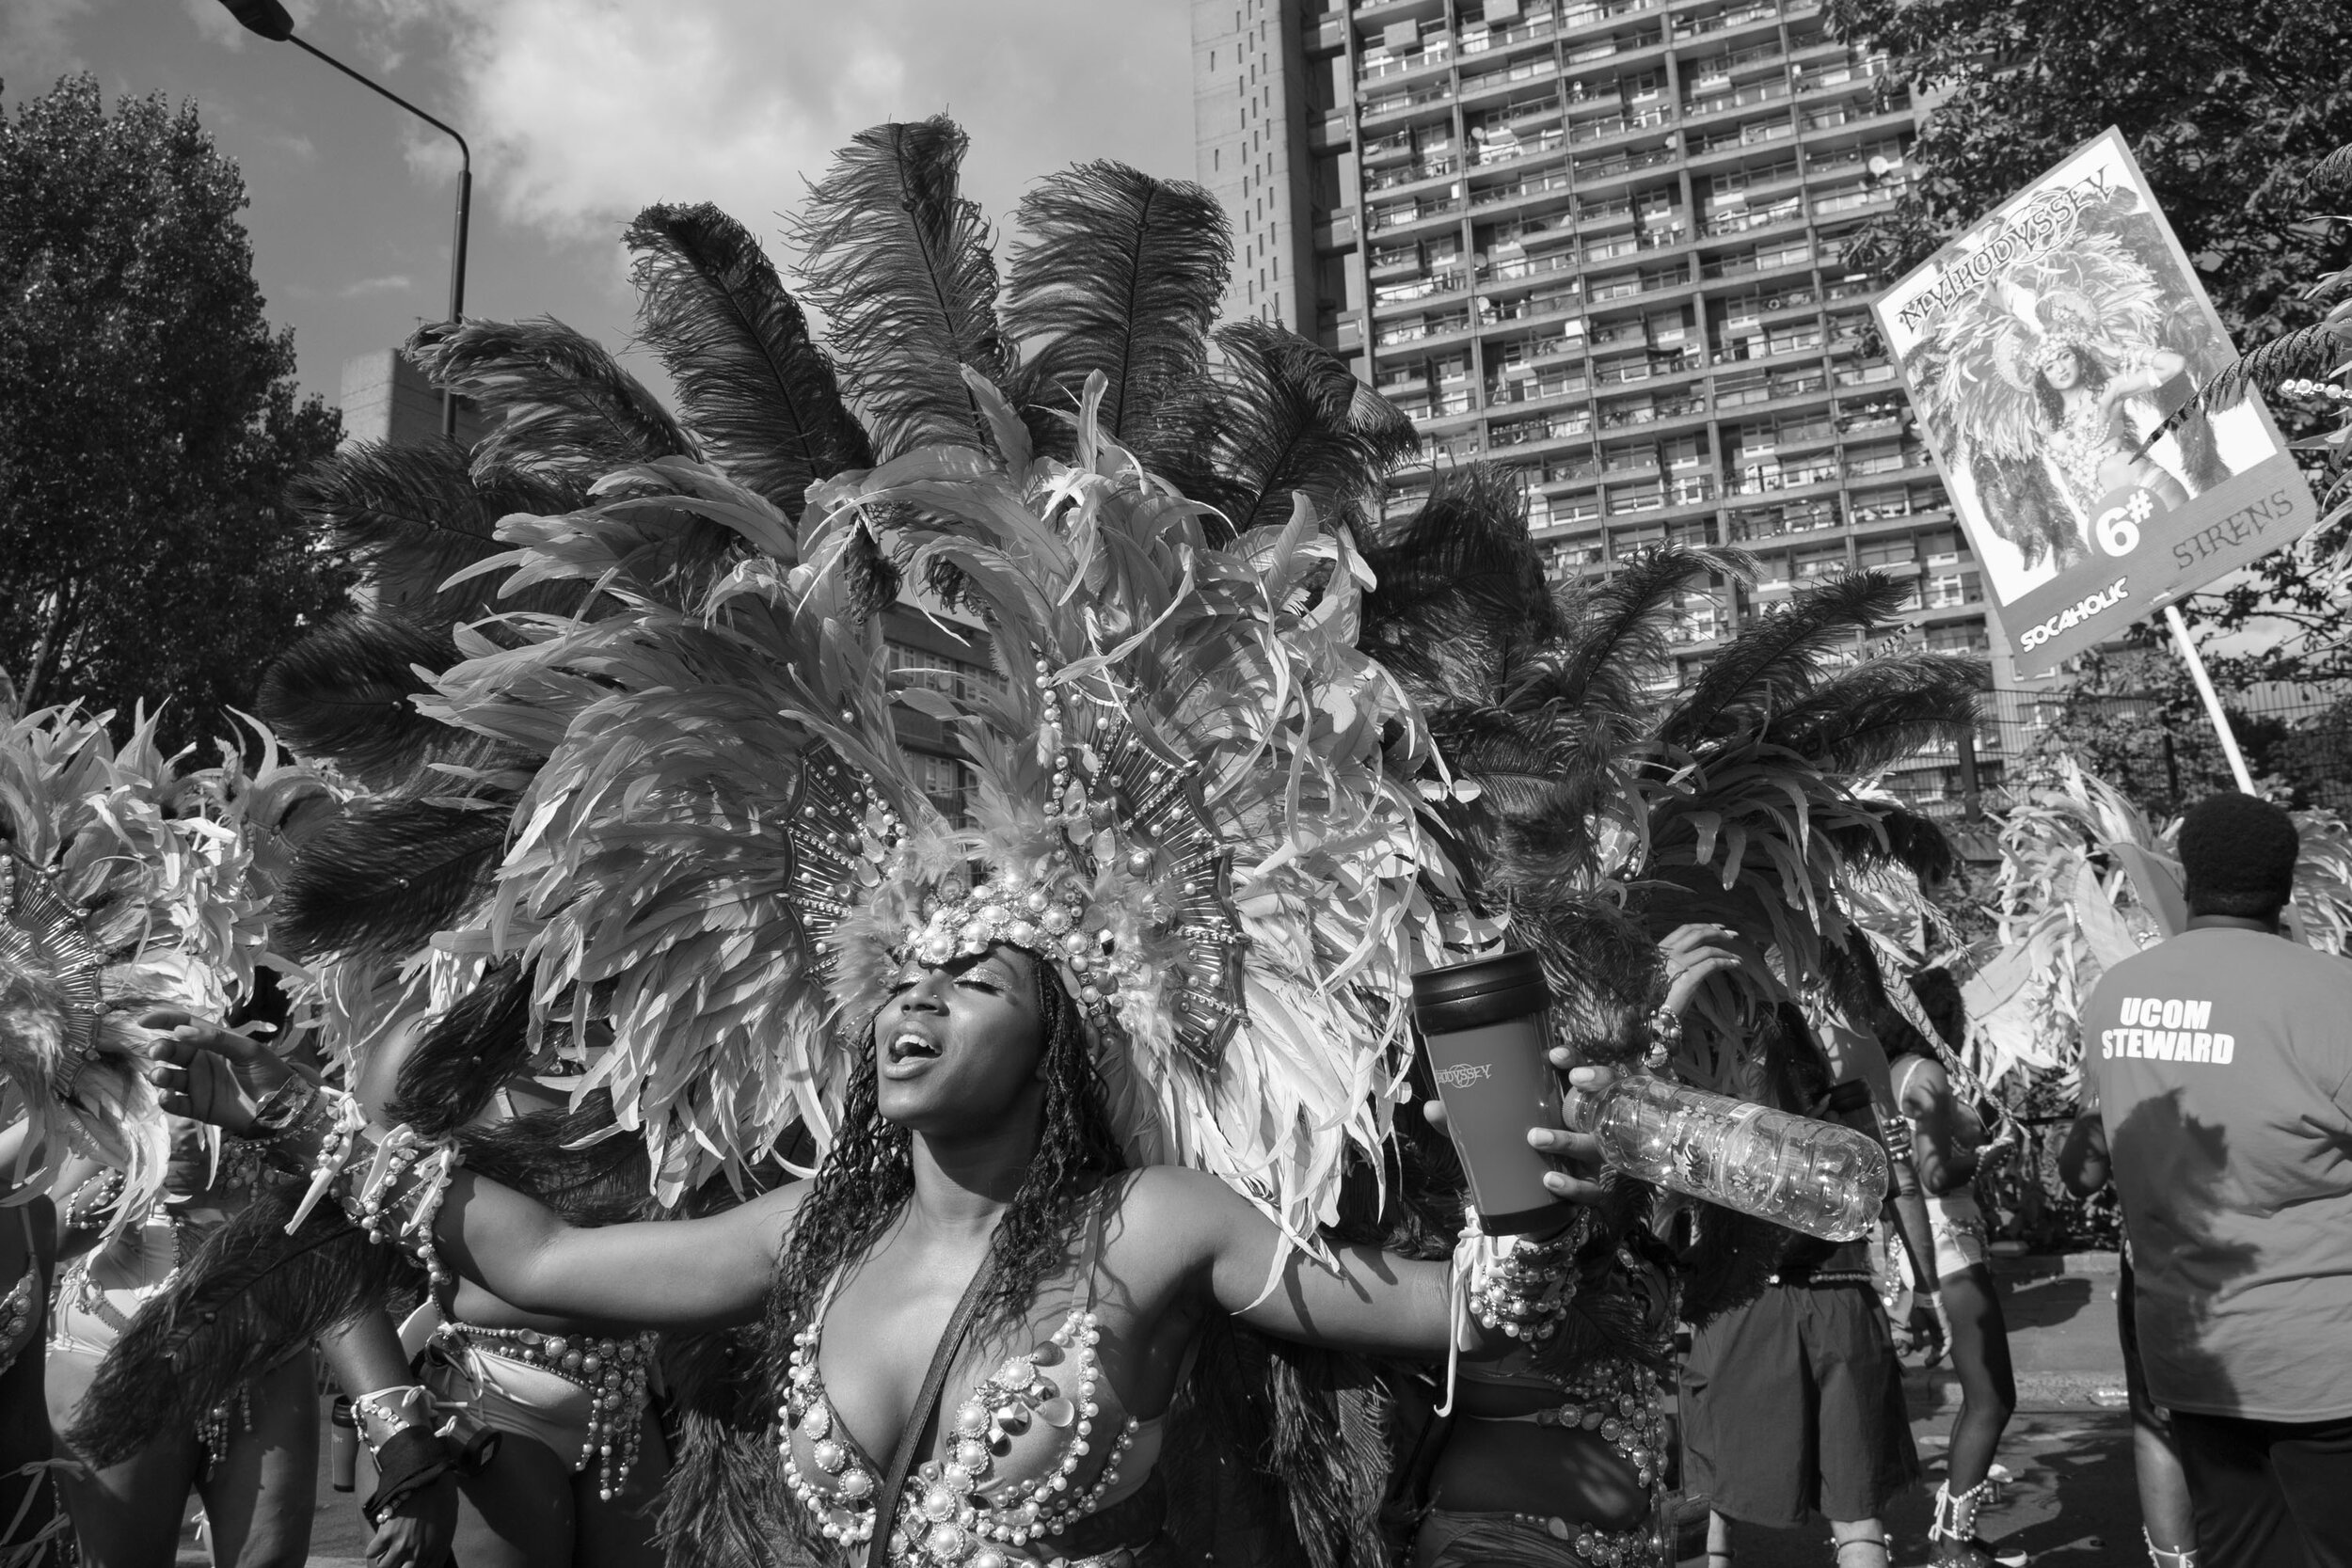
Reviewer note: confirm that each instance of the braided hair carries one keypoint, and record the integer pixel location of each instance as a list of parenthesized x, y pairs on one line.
[(865, 1181)]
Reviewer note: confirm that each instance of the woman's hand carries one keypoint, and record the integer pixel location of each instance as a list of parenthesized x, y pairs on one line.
[(415, 1532), (1692, 955), (1581, 1150), (208, 1073)]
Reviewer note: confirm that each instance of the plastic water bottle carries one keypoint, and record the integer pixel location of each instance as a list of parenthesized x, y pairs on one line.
[(1815, 1177)]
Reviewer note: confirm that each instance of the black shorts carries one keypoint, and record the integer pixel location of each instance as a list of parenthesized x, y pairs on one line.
[(1793, 1405), (2267, 1494)]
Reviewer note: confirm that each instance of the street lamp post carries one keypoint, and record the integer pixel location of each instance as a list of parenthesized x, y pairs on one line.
[(269, 20)]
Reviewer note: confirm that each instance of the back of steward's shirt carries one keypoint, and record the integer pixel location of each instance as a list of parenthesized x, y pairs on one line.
[(2220, 1059)]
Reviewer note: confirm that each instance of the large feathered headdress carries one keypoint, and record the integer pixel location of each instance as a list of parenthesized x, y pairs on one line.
[(127, 882), (1182, 801)]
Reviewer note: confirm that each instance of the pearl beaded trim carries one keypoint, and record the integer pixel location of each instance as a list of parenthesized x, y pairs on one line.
[(613, 1370), (944, 1520)]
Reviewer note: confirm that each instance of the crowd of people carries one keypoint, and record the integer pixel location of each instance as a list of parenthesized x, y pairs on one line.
[(685, 1125)]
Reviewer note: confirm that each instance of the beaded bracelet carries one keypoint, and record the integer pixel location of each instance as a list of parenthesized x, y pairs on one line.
[(401, 1167), (1517, 1288), (1665, 1033), (386, 1411)]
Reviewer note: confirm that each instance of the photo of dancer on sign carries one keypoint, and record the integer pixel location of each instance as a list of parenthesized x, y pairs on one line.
[(2041, 350)]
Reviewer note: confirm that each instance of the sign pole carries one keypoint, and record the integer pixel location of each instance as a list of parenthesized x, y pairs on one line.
[(2196, 663)]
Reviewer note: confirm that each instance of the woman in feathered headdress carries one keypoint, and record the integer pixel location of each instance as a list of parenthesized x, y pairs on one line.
[(1167, 937), (1165, 925), (127, 882)]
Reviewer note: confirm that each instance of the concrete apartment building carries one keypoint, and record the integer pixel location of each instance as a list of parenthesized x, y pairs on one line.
[(1601, 241)]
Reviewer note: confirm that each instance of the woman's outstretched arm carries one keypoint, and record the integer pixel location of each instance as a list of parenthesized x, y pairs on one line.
[(1367, 1300), (658, 1274)]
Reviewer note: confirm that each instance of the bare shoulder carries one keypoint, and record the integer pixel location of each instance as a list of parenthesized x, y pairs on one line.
[(1186, 1211)]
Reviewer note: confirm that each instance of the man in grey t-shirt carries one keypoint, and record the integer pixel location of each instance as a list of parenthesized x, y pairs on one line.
[(2222, 1062)]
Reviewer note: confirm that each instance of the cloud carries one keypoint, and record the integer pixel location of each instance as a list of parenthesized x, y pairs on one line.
[(390, 283), (581, 112), (34, 51)]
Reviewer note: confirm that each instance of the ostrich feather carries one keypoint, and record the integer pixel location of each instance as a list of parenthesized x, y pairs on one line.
[(1858, 721), (1120, 274), (1772, 663), (565, 407), (759, 392), (898, 260), (466, 1054), (344, 693), (386, 876), (1277, 416), (1459, 599), (411, 517)]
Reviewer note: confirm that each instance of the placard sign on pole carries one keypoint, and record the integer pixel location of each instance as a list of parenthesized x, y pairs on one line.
[(2040, 350)]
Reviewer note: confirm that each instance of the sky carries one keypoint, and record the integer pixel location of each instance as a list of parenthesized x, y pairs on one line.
[(581, 112)]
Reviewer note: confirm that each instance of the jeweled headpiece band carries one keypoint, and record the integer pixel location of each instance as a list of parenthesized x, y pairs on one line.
[(44, 933), (1133, 847)]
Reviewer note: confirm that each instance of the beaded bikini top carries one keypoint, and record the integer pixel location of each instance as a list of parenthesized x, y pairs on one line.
[(1014, 1472)]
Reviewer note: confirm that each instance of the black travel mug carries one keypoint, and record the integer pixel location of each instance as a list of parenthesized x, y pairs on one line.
[(1482, 1028)]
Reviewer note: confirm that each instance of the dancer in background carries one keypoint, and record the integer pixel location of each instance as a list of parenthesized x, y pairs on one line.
[(129, 879), (1946, 1140)]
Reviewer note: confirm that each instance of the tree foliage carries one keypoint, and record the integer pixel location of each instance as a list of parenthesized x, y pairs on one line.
[(2233, 110), (149, 422)]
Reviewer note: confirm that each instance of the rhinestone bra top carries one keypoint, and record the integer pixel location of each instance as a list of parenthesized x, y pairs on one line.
[(1016, 1446)]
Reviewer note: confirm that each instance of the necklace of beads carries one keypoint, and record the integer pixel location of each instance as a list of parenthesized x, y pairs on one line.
[(611, 1371), (944, 1521)]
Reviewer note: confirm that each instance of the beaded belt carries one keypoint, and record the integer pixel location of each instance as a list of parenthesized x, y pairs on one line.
[(613, 1372)]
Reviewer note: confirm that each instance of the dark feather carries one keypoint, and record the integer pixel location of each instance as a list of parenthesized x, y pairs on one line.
[(1616, 639), (1277, 415), (250, 1297), (412, 515), (1774, 662), (566, 1161), (450, 1076), (1861, 720), (757, 390), (1459, 600), (342, 694), (899, 262), (565, 407), (385, 875), (1122, 274)]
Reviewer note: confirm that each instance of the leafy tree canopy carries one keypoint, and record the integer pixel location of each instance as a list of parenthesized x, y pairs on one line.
[(2231, 110), (148, 420)]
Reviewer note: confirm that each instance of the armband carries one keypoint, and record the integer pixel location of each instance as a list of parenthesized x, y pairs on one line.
[(410, 1460)]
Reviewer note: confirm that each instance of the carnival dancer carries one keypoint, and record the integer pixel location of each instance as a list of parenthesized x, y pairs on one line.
[(1947, 1139), (127, 880), (1174, 929), (569, 1480), (1592, 821), (252, 1458)]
